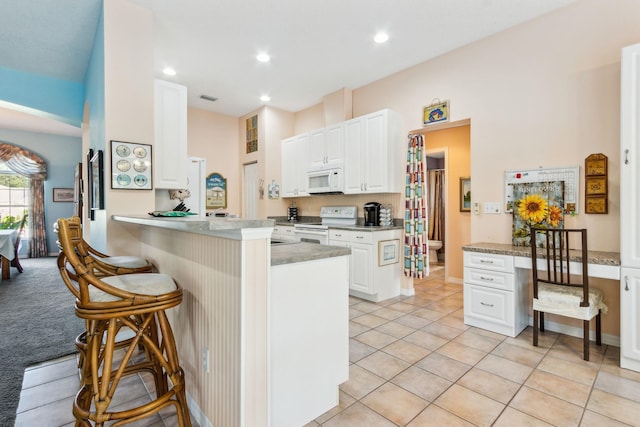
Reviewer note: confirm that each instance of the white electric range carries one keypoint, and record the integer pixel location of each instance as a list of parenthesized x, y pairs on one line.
[(330, 215)]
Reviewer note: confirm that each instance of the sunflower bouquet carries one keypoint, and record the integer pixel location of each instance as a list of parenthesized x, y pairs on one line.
[(538, 204)]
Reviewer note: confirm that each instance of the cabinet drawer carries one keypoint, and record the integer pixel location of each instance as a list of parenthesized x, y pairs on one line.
[(492, 279), (488, 305), (489, 261), (339, 235), (361, 237)]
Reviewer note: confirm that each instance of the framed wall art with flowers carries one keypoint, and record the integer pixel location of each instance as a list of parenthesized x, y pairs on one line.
[(536, 203)]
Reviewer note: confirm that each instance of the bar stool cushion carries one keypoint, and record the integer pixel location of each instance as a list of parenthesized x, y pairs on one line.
[(565, 301), (125, 261), (140, 283)]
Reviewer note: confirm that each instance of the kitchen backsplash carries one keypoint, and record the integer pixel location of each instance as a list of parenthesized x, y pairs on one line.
[(310, 206)]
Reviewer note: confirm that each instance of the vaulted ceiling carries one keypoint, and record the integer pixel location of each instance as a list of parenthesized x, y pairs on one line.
[(316, 46)]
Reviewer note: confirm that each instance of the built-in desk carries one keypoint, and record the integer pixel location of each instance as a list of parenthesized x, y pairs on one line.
[(496, 280)]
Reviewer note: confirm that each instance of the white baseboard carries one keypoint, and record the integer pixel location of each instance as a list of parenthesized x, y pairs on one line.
[(454, 280), (407, 292), (573, 331), (197, 414)]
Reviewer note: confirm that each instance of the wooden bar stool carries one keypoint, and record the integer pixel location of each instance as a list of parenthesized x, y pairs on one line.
[(103, 264), (111, 304)]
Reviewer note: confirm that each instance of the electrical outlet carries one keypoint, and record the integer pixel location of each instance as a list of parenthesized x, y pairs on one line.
[(476, 208), (491, 207), (205, 359)]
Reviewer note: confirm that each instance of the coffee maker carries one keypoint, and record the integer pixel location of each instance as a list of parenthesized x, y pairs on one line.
[(372, 213)]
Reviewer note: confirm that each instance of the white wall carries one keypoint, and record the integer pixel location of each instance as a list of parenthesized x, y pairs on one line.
[(545, 93)]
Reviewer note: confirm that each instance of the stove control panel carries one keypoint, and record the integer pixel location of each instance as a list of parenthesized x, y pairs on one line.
[(346, 212)]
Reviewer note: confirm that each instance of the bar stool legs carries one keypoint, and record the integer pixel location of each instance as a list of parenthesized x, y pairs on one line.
[(102, 374)]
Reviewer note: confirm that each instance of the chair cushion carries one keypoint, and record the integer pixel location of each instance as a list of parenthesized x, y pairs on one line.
[(125, 261), (143, 283), (565, 301)]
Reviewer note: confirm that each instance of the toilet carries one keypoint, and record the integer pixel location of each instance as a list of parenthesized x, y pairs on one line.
[(434, 245)]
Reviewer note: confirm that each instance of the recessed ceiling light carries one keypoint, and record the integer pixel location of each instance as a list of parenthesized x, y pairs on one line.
[(263, 57), (168, 71), (265, 98), (381, 37)]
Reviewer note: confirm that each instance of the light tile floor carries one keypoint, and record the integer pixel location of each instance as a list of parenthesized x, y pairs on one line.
[(415, 363)]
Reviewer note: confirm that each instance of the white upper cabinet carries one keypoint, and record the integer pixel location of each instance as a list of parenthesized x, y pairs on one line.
[(317, 149), (369, 150), (326, 148), (170, 142), (295, 159), (373, 145)]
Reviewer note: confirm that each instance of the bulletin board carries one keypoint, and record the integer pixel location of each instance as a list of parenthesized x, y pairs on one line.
[(569, 175)]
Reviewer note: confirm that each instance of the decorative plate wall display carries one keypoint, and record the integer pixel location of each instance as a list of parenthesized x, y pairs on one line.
[(130, 166)]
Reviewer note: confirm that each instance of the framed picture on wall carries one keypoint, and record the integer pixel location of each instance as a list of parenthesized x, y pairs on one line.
[(216, 191), (96, 182), (465, 194), (89, 188), (63, 195), (130, 166)]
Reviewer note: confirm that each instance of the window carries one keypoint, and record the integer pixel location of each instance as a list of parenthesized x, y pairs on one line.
[(15, 197)]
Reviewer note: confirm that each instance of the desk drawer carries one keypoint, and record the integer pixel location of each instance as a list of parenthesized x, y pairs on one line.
[(488, 308), (489, 261), (492, 279)]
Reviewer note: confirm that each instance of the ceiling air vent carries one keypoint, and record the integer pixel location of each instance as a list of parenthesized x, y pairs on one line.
[(208, 98)]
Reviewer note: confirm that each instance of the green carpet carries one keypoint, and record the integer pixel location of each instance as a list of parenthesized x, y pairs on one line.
[(37, 323)]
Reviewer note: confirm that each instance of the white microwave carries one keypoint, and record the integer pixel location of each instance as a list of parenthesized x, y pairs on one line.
[(329, 181)]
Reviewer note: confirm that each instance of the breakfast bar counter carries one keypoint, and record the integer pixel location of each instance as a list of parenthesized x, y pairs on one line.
[(254, 351)]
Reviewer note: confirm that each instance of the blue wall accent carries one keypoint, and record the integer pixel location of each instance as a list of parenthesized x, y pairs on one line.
[(62, 154), (45, 96), (94, 86)]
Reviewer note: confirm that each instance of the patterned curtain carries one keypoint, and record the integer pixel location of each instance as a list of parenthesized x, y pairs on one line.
[(415, 244), (33, 166)]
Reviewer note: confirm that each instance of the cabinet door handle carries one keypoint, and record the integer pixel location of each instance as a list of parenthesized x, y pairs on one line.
[(626, 283), (485, 261), (485, 304), (360, 237), (486, 279), (626, 156)]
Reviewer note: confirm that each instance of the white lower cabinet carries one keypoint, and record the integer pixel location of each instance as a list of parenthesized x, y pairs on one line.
[(286, 233), (368, 279), (494, 296), (630, 318)]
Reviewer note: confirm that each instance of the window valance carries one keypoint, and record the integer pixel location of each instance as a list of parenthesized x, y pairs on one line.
[(23, 161)]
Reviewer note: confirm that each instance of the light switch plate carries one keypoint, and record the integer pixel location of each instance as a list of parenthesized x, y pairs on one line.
[(492, 207)]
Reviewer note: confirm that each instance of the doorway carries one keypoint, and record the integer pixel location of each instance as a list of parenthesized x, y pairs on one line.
[(454, 140), (250, 193), (437, 181)]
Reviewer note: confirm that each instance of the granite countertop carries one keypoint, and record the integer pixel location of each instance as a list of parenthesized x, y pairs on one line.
[(292, 252), (595, 257), (212, 226), (358, 227)]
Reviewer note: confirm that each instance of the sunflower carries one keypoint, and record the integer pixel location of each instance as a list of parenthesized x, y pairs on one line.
[(555, 215), (532, 208)]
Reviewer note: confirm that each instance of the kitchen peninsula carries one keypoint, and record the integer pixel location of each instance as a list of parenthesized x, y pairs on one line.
[(262, 331)]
